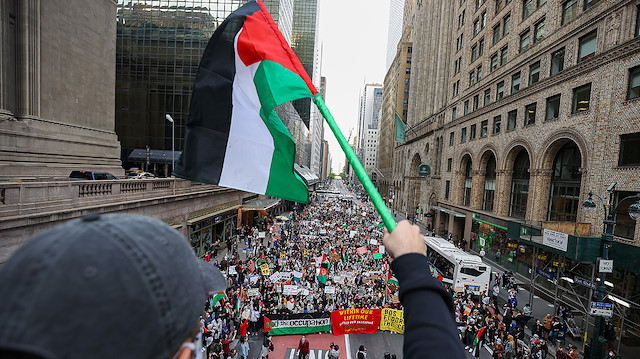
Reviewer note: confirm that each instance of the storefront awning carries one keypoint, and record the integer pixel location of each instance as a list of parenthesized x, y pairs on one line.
[(212, 214), (448, 211), (261, 205), (155, 156)]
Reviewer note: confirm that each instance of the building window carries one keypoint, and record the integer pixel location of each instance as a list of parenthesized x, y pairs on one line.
[(527, 8), (501, 4), (449, 164), (569, 10), (479, 73), (524, 41), (483, 20), (581, 98), (504, 54), (466, 107), (520, 186), (625, 225), (447, 187), (557, 61), (506, 25), (540, 2), (538, 31), (587, 46), (454, 114), (589, 3), (496, 124), (476, 27), (534, 73), (494, 62), (452, 137), (474, 53), (629, 150), (634, 83), (489, 184), (407, 71), (409, 49), (481, 47), (512, 116), (565, 184), (496, 34), (500, 90), (463, 135), (472, 77), (487, 97), (472, 133), (553, 108), (515, 82), (468, 181), (530, 114), (484, 128), (475, 102)]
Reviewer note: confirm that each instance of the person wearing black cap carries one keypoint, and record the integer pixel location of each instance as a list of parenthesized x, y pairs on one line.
[(105, 286), (430, 329)]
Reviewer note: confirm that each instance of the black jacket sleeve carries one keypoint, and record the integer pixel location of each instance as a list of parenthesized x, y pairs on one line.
[(430, 330)]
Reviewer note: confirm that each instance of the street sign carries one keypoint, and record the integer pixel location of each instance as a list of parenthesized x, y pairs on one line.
[(601, 309), (584, 282), (545, 274), (606, 266), (424, 170)]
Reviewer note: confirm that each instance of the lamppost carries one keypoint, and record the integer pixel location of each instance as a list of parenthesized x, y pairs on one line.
[(607, 240), (173, 141)]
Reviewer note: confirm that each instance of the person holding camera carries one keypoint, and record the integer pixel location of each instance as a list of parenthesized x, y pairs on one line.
[(334, 351)]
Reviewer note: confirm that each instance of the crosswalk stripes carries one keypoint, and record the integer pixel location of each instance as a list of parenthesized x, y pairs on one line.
[(313, 354)]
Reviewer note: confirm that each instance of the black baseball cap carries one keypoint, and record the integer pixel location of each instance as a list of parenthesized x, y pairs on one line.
[(104, 286)]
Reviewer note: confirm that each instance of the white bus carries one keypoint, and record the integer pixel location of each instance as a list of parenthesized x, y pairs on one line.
[(458, 268)]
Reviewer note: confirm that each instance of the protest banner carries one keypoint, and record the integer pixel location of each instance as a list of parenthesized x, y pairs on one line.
[(373, 241), (232, 270), (275, 277), (381, 248), (377, 256), (392, 320), (253, 292), (362, 250), (282, 324), (283, 255), (264, 267), (330, 289), (347, 321), (290, 290)]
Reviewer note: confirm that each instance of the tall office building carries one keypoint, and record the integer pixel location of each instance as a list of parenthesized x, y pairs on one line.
[(368, 123), (396, 9), (56, 88), (159, 47)]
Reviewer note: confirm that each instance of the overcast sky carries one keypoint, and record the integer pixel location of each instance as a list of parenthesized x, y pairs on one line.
[(353, 37)]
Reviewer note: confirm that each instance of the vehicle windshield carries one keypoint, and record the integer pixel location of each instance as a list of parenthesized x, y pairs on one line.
[(81, 175)]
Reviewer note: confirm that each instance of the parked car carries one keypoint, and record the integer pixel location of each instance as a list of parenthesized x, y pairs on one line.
[(90, 176), (143, 175)]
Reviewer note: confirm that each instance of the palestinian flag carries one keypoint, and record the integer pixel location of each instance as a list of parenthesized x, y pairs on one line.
[(324, 270), (233, 137), (216, 298), (477, 340), (260, 260), (392, 284)]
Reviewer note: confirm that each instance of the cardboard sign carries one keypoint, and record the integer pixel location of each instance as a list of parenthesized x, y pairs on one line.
[(381, 248), (362, 250), (253, 292), (275, 277), (305, 253), (392, 320), (330, 289), (373, 241), (297, 274), (232, 270), (395, 299), (283, 255), (264, 268), (262, 234), (290, 290)]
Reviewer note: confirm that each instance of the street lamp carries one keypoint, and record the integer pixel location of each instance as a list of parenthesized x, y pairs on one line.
[(173, 141), (607, 240)]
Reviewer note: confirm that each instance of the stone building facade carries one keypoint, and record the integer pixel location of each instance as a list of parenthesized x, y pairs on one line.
[(522, 108), (57, 88)]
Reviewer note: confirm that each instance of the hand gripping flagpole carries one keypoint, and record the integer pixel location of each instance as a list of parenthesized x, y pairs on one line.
[(382, 209)]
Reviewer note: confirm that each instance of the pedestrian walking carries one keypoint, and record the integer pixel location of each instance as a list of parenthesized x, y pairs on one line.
[(303, 348)]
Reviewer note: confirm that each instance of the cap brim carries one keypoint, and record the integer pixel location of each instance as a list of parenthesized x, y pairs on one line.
[(213, 280)]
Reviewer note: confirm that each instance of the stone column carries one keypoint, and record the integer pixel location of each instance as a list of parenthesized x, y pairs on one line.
[(539, 188), (477, 189), (503, 192), (28, 59)]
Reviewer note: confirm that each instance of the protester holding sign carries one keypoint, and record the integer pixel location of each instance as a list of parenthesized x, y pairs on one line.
[(429, 325)]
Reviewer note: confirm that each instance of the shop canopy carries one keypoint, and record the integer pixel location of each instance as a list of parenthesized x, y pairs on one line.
[(260, 205), (448, 211), (155, 156)]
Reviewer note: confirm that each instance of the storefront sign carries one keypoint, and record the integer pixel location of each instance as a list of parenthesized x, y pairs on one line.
[(606, 266), (424, 170), (281, 324), (601, 309), (584, 282), (347, 321), (392, 320), (555, 239), (545, 274)]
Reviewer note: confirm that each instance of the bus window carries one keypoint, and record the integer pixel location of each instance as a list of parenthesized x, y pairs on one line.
[(443, 266), (471, 271)]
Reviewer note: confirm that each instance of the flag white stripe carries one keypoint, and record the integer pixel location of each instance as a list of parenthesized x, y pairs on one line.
[(250, 146)]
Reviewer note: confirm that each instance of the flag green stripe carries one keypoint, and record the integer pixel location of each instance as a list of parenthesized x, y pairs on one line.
[(276, 85)]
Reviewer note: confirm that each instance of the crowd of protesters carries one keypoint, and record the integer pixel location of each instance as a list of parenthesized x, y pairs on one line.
[(338, 234)]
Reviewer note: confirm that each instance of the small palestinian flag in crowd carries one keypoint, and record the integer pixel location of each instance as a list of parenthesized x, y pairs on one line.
[(234, 137), (392, 284), (477, 340), (260, 260), (217, 298), (324, 270)]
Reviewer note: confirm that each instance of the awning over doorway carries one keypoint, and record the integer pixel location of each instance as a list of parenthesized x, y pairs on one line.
[(212, 214), (448, 211), (155, 156), (261, 205)]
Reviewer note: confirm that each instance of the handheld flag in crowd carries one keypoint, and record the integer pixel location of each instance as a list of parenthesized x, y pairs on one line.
[(234, 137)]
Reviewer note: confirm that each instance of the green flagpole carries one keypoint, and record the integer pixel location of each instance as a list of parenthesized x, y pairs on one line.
[(382, 209)]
